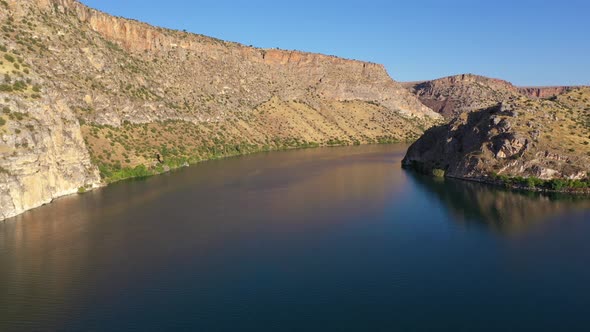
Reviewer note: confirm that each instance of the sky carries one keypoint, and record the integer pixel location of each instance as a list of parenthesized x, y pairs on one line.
[(530, 43)]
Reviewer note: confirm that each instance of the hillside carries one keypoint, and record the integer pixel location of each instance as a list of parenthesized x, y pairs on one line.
[(89, 98), (523, 143)]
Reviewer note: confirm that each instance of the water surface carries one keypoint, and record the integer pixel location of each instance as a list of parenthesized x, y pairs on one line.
[(337, 239)]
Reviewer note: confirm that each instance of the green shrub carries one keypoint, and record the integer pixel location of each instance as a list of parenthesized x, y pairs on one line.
[(2, 122), (557, 184), (114, 173), (533, 182), (439, 173), (9, 58), (18, 115), (19, 85)]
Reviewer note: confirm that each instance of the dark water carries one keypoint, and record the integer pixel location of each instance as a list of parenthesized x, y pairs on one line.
[(316, 240)]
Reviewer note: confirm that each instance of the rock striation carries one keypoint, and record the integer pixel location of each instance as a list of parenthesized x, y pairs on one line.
[(90, 98)]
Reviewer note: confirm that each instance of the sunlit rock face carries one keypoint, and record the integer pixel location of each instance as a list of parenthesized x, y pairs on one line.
[(45, 158)]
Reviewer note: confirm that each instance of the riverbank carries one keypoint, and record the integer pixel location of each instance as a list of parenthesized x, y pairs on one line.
[(111, 175)]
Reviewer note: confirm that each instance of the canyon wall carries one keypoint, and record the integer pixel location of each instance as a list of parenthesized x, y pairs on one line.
[(86, 93)]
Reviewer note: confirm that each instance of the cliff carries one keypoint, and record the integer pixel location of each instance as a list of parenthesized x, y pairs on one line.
[(88, 93), (45, 160)]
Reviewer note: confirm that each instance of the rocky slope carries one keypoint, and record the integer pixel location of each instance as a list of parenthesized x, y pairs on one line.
[(83, 92), (526, 143)]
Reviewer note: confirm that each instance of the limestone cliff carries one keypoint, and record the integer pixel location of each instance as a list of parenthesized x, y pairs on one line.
[(86, 92), (46, 159)]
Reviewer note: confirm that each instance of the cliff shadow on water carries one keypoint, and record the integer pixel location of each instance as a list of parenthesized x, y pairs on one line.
[(499, 209)]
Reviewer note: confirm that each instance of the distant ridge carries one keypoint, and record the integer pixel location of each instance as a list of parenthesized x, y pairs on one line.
[(453, 95)]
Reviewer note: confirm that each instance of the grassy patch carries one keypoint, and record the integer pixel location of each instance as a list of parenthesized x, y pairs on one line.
[(439, 173)]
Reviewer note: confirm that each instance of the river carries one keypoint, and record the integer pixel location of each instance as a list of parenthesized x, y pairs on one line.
[(328, 239)]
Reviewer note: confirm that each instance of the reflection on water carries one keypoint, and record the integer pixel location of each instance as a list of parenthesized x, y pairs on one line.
[(502, 210), (315, 240)]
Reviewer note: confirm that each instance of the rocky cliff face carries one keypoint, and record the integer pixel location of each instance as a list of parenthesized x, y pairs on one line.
[(46, 157), (86, 91), (533, 141)]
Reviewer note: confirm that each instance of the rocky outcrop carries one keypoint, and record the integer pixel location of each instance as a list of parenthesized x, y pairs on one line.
[(509, 141), (87, 91)]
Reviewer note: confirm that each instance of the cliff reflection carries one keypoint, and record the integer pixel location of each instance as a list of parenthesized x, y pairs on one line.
[(501, 210)]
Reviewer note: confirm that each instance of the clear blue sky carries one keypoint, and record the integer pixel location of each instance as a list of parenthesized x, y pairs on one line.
[(526, 42)]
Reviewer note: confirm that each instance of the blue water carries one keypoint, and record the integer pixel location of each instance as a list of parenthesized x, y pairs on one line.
[(338, 239)]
